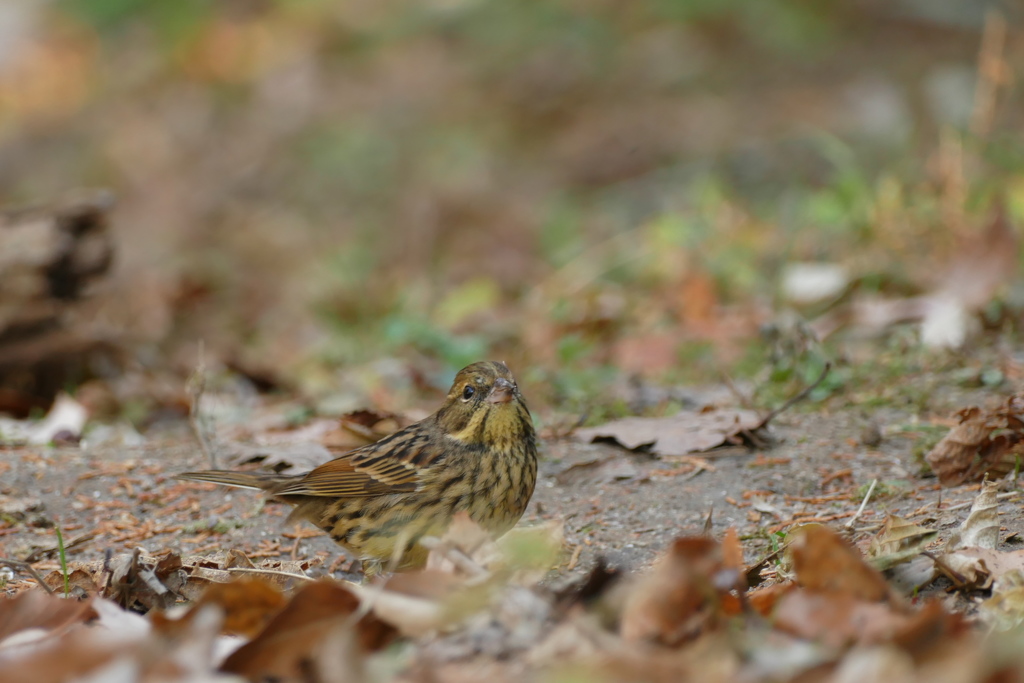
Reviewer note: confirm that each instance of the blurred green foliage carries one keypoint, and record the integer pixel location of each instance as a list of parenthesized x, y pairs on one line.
[(549, 182)]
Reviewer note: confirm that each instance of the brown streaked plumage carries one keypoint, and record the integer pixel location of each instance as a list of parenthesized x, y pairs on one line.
[(477, 453)]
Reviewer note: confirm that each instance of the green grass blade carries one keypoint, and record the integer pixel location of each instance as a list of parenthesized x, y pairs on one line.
[(63, 562)]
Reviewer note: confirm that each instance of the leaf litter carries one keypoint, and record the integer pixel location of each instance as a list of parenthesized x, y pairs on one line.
[(815, 607), (692, 431), (983, 442), (827, 611)]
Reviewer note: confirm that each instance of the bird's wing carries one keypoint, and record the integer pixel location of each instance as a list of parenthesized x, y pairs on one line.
[(392, 465)]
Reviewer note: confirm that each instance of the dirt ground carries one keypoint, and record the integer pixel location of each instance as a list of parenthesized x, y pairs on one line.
[(616, 504)]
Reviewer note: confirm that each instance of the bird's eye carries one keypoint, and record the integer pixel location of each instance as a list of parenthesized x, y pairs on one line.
[(468, 392)]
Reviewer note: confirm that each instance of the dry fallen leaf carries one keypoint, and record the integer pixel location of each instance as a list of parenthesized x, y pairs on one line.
[(840, 620), (983, 442), (981, 528), (681, 596), (898, 541), (291, 646), (247, 603), (597, 471), (971, 560), (977, 568), (826, 563), (37, 610), (113, 645), (836, 619), (686, 432), (1005, 609)]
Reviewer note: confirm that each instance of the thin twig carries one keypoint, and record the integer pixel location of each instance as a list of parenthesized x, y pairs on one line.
[(40, 553), (273, 572), (743, 399), (958, 579), (795, 399), (699, 468), (197, 385), (575, 557), (863, 503), (25, 566)]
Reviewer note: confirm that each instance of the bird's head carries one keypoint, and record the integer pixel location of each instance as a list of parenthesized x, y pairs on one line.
[(484, 407)]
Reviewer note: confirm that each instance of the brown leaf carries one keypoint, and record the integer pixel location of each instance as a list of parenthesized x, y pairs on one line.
[(247, 603), (597, 471), (835, 619), (839, 620), (320, 613), (680, 596), (977, 568), (732, 549), (1005, 609), (981, 443), (36, 609), (764, 600), (981, 528), (687, 432), (826, 563), (898, 541)]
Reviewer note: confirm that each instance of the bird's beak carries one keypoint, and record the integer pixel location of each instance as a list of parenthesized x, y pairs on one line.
[(502, 392)]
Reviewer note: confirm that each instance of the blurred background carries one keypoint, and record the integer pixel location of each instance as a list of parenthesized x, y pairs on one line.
[(350, 200)]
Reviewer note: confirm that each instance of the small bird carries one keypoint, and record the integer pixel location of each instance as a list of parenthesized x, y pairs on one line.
[(477, 453)]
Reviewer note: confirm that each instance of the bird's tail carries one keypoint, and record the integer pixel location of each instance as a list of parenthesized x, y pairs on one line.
[(246, 480)]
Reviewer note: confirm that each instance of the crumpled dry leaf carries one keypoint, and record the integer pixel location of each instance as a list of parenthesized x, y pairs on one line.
[(305, 638), (977, 568), (597, 471), (983, 443), (971, 560), (247, 603), (898, 541), (981, 528), (826, 563), (839, 620), (681, 596), (689, 431), (113, 645), (414, 602), (1005, 609), (37, 610)]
